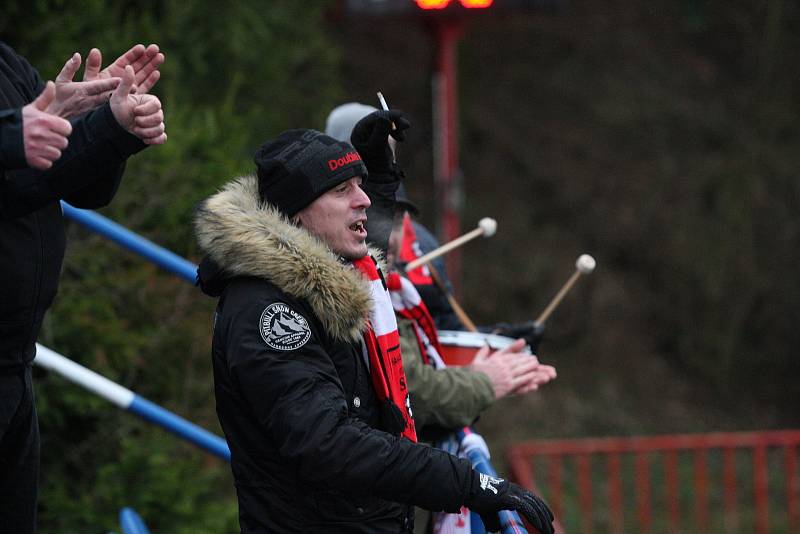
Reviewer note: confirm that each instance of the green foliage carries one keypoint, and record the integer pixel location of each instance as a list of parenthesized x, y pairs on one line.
[(233, 77)]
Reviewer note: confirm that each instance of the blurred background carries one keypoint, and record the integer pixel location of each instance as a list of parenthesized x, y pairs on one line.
[(661, 137)]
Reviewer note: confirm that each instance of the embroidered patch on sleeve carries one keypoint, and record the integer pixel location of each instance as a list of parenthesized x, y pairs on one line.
[(282, 328)]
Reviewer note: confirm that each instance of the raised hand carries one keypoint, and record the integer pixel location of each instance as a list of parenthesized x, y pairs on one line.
[(145, 62), (140, 114), (44, 135), (76, 98)]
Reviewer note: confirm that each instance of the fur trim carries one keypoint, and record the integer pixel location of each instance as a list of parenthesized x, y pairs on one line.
[(247, 238)]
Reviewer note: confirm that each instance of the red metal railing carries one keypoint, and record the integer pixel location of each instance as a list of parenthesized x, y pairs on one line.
[(728, 483)]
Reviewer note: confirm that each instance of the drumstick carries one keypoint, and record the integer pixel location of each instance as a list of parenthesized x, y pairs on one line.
[(585, 264), (462, 315), (385, 106), (486, 227)]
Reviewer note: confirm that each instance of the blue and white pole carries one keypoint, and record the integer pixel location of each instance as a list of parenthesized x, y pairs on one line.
[(131, 523), (132, 241), (510, 522), (130, 401)]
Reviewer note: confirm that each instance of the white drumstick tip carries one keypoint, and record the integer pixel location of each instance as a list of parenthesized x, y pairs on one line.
[(488, 225), (585, 264)]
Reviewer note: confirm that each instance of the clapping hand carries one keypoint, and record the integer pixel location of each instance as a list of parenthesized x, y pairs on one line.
[(44, 136), (140, 114)]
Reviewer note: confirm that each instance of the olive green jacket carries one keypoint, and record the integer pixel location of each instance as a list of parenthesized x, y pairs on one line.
[(447, 398)]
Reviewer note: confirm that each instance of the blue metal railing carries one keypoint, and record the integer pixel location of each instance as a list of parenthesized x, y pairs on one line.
[(130, 401), (132, 241), (131, 523)]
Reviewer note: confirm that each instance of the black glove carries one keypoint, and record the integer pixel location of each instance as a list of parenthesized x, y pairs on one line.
[(488, 495), (531, 331), (371, 138)]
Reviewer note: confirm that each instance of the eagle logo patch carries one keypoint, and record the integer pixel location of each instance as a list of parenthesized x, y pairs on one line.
[(282, 328)]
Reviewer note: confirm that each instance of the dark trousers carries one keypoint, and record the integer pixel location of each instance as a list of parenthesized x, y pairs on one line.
[(19, 452)]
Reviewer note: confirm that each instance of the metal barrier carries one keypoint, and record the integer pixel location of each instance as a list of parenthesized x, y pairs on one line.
[(132, 241), (722, 482), (130, 401), (131, 523)]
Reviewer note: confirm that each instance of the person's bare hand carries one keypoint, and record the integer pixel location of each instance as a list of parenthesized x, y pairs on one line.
[(44, 135), (541, 376), (508, 369), (76, 98), (140, 114), (145, 62)]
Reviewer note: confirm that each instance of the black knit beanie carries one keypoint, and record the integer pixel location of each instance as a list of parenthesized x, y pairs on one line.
[(299, 166)]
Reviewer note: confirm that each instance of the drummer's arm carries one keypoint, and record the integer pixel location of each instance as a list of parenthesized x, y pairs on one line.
[(452, 397)]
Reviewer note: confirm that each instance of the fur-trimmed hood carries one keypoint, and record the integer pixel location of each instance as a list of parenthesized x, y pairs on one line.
[(247, 238)]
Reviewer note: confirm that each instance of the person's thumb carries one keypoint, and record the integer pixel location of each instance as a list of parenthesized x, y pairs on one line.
[(482, 355), (125, 86), (47, 96)]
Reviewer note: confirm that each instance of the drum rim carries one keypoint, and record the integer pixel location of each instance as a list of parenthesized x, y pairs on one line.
[(451, 338)]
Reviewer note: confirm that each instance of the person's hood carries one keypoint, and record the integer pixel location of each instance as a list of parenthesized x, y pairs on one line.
[(242, 237)]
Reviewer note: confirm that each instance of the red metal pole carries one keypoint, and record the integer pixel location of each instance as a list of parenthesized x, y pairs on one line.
[(790, 463), (701, 489), (642, 484), (671, 481), (760, 489), (729, 481), (584, 467), (615, 492), (447, 176)]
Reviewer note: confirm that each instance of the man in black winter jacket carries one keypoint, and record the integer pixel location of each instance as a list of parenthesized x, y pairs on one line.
[(32, 238), (317, 444)]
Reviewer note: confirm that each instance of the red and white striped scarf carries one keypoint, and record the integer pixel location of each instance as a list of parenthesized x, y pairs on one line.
[(408, 304), (383, 347)]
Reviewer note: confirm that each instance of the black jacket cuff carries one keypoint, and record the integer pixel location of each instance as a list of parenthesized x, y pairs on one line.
[(12, 145)]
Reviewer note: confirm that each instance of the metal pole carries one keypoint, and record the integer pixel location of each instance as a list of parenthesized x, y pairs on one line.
[(130, 401), (447, 175), (132, 241)]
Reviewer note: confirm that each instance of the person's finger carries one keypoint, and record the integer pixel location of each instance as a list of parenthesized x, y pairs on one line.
[(148, 121), (40, 163), (145, 85), (50, 152), (46, 97), (100, 86), (125, 86), (516, 346), (133, 55), (94, 59), (55, 139), (148, 106), (69, 69), (482, 354), (160, 140), (147, 55), (146, 133)]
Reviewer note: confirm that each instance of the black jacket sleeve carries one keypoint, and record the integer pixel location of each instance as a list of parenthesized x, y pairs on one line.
[(12, 149), (87, 174), (89, 170), (299, 402)]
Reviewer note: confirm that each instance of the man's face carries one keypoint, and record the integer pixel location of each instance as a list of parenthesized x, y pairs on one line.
[(337, 218)]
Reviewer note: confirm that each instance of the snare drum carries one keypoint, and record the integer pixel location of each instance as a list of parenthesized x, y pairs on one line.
[(459, 348)]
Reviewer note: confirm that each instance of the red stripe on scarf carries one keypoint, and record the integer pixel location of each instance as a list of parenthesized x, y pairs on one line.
[(383, 346)]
